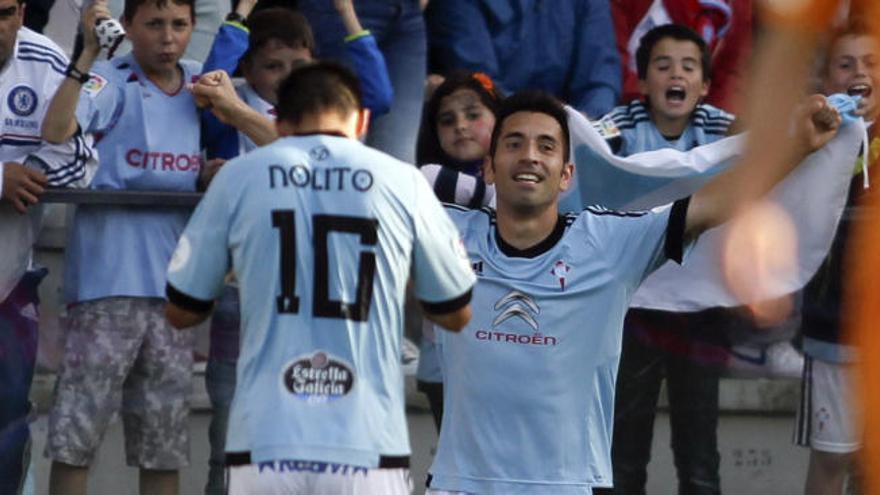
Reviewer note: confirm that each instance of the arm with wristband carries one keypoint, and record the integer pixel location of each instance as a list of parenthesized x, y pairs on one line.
[(366, 60), (231, 41), (60, 123)]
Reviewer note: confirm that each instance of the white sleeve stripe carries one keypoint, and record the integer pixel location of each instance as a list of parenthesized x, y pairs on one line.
[(69, 171), (81, 154)]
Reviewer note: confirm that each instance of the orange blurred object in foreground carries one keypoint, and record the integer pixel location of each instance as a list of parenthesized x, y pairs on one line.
[(863, 304), (760, 250), (802, 22)]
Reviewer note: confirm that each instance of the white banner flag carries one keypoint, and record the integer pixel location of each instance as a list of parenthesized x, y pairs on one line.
[(813, 195)]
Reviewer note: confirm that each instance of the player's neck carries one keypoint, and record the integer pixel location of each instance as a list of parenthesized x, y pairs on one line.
[(524, 229), (315, 124)]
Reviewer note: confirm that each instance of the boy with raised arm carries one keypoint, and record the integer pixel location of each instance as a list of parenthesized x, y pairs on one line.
[(119, 354)]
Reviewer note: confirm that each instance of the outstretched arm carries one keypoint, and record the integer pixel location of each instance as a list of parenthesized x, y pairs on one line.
[(215, 91), (816, 122), (60, 122)]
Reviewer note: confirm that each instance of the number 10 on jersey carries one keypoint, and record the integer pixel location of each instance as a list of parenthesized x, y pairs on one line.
[(322, 226)]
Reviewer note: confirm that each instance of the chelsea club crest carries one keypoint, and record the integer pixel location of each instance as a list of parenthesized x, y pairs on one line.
[(22, 100)]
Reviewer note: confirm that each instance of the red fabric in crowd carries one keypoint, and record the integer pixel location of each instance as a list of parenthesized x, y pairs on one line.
[(729, 55)]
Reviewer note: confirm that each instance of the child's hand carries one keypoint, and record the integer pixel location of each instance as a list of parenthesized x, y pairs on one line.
[(90, 16), (214, 90), (21, 185), (818, 122), (245, 7), (432, 82)]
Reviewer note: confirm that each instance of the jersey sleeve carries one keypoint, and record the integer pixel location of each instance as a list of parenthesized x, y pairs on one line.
[(636, 244), (100, 104), (370, 66), (201, 260), (452, 186), (441, 271), (609, 128), (72, 163), (228, 47)]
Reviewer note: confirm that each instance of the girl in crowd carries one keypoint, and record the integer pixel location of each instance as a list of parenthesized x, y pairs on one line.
[(454, 138)]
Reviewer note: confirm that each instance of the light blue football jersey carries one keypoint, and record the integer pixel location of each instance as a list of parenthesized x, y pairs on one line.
[(629, 129), (322, 233), (529, 383), (147, 140)]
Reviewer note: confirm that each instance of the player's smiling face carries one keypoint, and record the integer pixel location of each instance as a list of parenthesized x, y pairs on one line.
[(11, 18), (528, 167), (159, 35), (673, 83), (853, 69)]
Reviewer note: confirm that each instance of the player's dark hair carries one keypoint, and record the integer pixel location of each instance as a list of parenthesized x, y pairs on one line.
[(318, 88), (131, 7), (676, 32), (532, 101), (287, 26), (428, 149)]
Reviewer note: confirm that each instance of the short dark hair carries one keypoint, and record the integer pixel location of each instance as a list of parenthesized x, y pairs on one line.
[(279, 23), (428, 149), (532, 101), (317, 88), (131, 7), (676, 32)]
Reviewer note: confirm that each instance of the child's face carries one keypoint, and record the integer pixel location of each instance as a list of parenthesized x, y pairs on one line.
[(464, 125), (674, 82), (11, 19), (853, 69), (159, 35), (266, 68)]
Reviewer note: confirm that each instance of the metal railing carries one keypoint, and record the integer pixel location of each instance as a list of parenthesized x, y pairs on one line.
[(175, 198), (120, 197)]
